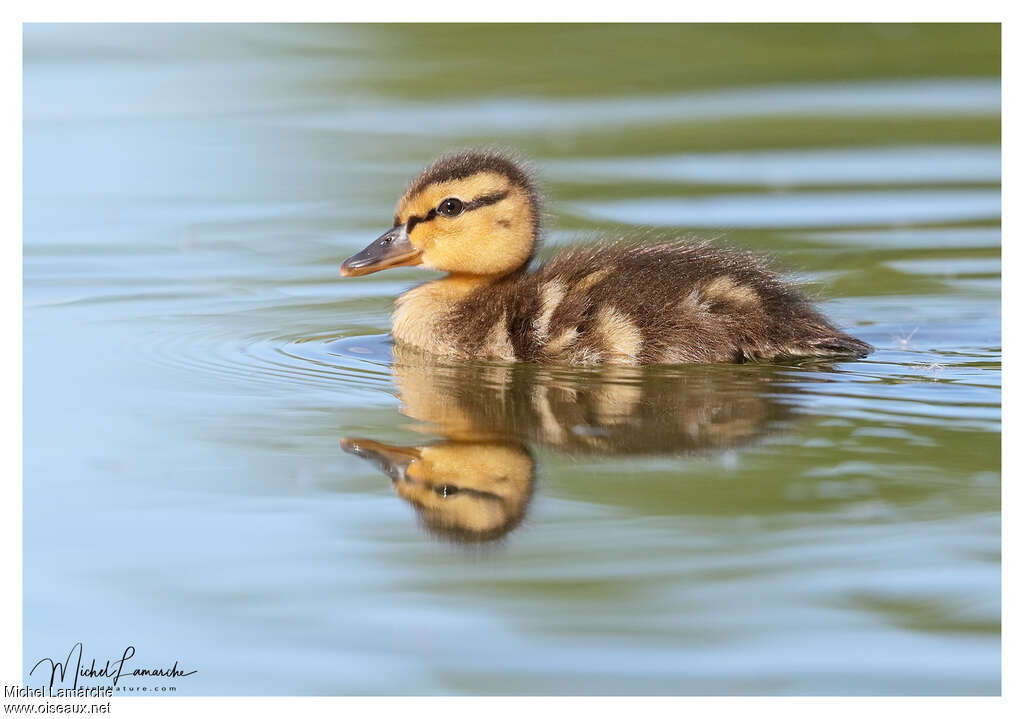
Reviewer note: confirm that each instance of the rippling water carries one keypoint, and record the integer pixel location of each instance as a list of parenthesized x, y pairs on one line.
[(212, 416)]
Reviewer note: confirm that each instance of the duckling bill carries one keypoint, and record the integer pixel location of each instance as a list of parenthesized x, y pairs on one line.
[(475, 216)]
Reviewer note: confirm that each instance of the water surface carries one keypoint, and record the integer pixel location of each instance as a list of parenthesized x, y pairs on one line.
[(199, 383)]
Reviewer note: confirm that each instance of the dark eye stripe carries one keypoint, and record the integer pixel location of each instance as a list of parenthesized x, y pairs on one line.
[(476, 204), (485, 200), (415, 220), (478, 493)]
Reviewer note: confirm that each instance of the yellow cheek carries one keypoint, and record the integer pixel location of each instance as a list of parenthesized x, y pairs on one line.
[(426, 236), (493, 239), (418, 238), (444, 239)]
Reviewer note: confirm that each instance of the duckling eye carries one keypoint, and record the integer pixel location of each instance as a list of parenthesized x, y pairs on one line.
[(446, 490), (451, 207)]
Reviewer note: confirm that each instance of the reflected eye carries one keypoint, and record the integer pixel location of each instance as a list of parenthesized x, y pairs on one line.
[(446, 490), (450, 207)]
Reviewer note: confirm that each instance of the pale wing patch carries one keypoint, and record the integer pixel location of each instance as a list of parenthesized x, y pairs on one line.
[(622, 339), (592, 279), (565, 343), (726, 289), (497, 344), (551, 429), (559, 344), (615, 402), (551, 296)]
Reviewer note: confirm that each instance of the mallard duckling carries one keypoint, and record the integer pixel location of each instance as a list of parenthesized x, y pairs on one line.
[(475, 216)]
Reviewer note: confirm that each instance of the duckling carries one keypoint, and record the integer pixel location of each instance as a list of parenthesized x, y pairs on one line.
[(476, 216), (475, 485)]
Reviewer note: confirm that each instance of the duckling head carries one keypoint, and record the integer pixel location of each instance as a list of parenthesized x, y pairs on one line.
[(466, 492), (471, 213)]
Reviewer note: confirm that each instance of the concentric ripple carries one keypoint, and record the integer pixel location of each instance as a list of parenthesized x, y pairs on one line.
[(276, 362)]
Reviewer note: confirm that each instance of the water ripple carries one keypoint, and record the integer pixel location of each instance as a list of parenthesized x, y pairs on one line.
[(521, 116), (801, 209)]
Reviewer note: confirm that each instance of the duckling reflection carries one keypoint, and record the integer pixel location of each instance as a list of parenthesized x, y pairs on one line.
[(463, 491), (476, 484)]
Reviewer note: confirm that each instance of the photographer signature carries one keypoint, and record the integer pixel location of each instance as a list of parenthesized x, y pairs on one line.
[(115, 670)]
